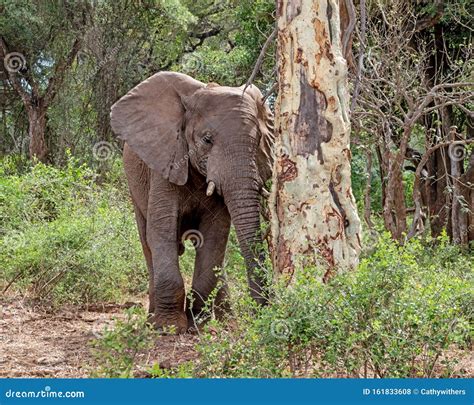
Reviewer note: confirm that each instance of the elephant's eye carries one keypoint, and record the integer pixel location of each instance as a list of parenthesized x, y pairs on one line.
[(207, 139)]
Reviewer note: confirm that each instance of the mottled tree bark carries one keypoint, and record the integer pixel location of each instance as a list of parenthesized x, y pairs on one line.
[(314, 216)]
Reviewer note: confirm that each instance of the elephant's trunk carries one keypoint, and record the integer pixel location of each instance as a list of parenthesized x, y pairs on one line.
[(242, 200)]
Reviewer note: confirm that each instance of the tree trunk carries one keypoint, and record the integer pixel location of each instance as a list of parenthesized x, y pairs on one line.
[(36, 131), (314, 216), (367, 191), (468, 194), (467, 181), (394, 210), (459, 219), (35, 103)]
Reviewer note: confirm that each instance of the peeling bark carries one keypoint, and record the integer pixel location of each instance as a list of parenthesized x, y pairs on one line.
[(313, 213)]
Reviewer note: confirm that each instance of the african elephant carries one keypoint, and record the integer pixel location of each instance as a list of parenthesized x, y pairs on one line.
[(196, 157)]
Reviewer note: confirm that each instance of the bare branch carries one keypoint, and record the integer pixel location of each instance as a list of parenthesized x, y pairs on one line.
[(360, 63), (270, 92), (260, 58), (60, 72), (350, 27)]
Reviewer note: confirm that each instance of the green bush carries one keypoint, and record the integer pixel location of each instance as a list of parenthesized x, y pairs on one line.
[(66, 239), (394, 317), (116, 350)]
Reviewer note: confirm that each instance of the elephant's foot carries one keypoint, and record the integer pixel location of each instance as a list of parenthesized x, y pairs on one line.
[(222, 308), (194, 319), (151, 309), (177, 324)]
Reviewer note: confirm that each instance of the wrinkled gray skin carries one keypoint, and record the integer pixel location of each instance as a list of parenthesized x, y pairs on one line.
[(180, 135)]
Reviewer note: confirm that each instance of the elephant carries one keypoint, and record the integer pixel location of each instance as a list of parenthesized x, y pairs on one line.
[(196, 158)]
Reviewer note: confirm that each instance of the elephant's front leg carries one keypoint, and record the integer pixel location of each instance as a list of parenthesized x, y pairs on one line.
[(210, 252), (168, 285)]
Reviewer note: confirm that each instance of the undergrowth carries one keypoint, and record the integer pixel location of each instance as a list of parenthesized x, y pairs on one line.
[(66, 239)]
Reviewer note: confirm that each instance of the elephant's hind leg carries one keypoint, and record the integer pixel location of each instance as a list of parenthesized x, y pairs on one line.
[(141, 223)]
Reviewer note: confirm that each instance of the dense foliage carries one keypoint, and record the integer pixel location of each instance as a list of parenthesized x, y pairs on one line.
[(65, 238), (67, 230)]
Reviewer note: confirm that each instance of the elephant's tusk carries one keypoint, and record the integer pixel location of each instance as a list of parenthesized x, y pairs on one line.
[(210, 188), (264, 192)]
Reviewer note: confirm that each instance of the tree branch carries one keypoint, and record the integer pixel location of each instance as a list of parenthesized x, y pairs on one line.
[(14, 79), (260, 58), (346, 39), (60, 72), (360, 63)]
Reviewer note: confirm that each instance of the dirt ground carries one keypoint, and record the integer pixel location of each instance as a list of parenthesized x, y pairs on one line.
[(38, 342)]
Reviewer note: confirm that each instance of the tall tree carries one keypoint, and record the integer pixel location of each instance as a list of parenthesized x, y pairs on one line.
[(39, 43), (407, 109), (314, 216)]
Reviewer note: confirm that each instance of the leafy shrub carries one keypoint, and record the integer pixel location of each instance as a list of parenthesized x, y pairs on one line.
[(40, 193), (66, 239), (394, 317), (183, 370), (116, 350)]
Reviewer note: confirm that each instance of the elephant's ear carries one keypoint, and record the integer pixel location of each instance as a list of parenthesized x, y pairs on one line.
[(265, 154), (150, 117)]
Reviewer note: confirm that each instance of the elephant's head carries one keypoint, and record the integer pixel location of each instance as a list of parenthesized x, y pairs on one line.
[(176, 124)]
